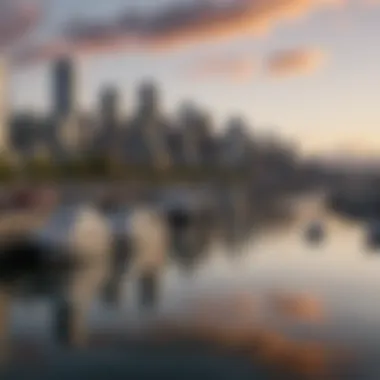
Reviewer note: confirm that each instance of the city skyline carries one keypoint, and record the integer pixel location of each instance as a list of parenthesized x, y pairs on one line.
[(313, 79)]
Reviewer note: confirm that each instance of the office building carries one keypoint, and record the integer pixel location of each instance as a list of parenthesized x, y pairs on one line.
[(147, 142), (189, 121), (4, 109), (235, 143), (64, 90), (109, 107), (65, 137), (108, 134)]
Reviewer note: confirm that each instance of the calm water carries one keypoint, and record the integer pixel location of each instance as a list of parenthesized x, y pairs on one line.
[(217, 263)]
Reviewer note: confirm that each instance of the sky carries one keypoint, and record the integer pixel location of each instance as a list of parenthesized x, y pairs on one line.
[(308, 70)]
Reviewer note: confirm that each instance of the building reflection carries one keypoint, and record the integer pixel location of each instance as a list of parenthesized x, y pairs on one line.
[(148, 283), (191, 246), (112, 293), (232, 227), (147, 279), (121, 257), (72, 292), (72, 302), (5, 304), (236, 221), (123, 266)]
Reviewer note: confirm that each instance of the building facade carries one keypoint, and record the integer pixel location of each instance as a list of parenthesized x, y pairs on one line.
[(64, 88), (4, 108)]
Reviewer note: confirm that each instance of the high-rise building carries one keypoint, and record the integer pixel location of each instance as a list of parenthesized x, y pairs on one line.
[(24, 134), (149, 101), (65, 133), (189, 117), (196, 130), (148, 142), (108, 136), (4, 109), (109, 107), (63, 88), (235, 143)]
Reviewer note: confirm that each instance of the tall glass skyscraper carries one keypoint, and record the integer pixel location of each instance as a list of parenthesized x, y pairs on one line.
[(64, 135), (63, 88)]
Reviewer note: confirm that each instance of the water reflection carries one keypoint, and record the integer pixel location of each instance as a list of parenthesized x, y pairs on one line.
[(120, 259), (245, 256), (4, 322), (233, 324), (189, 247), (372, 239), (72, 302), (315, 233), (297, 307), (148, 286), (72, 290)]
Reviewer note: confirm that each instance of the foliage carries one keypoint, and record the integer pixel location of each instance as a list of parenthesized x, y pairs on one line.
[(101, 168)]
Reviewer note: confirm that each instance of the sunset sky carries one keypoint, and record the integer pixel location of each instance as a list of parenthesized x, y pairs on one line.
[(305, 69)]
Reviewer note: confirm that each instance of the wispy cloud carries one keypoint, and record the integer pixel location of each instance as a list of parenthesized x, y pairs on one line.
[(17, 18), (236, 69), (282, 63), (299, 61), (176, 26)]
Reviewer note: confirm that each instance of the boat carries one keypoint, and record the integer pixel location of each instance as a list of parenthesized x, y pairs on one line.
[(77, 233), (69, 237)]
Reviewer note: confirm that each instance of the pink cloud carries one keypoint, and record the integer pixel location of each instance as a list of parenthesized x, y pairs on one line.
[(177, 26), (299, 61)]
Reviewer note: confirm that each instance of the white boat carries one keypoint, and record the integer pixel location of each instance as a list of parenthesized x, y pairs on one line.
[(75, 232)]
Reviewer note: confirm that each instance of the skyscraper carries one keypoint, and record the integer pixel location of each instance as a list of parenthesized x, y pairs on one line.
[(235, 143), (108, 138), (148, 143), (149, 99), (109, 106), (4, 110), (64, 138), (63, 88), (189, 117)]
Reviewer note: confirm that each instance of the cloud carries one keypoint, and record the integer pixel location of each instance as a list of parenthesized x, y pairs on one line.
[(299, 61), (17, 18), (239, 69), (177, 26), (283, 63), (369, 2)]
